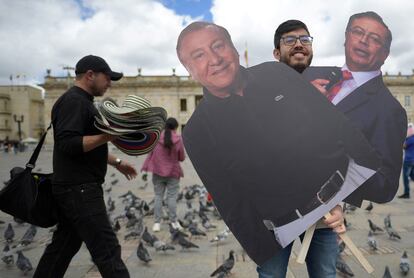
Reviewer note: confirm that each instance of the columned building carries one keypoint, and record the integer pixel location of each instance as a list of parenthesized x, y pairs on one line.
[(179, 95), (21, 105)]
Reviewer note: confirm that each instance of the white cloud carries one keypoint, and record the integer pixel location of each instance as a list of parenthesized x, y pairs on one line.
[(36, 35), (256, 22)]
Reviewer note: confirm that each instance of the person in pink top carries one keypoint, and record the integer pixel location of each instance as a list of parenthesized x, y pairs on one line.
[(164, 163)]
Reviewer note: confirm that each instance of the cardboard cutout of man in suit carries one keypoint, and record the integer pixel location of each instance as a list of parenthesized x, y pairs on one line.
[(367, 103), (267, 145)]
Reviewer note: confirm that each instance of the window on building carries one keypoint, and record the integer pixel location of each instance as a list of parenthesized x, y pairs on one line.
[(407, 101), (183, 104), (198, 99), (5, 105), (6, 123)]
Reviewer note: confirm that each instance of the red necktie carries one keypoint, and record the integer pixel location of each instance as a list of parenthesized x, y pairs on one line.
[(346, 75)]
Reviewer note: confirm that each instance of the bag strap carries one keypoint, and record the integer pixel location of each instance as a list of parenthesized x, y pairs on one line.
[(32, 162)]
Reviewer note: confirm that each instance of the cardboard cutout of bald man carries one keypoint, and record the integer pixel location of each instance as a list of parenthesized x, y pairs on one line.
[(273, 152)]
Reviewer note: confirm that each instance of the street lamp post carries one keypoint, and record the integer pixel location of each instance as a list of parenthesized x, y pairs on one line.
[(19, 120)]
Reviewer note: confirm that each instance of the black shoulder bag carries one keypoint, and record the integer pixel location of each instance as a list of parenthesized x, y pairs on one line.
[(28, 196)]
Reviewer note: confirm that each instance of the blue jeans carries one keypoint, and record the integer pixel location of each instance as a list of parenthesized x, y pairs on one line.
[(408, 172), (320, 260), (172, 186)]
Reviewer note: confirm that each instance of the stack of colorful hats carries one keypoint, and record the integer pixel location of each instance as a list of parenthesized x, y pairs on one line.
[(137, 124)]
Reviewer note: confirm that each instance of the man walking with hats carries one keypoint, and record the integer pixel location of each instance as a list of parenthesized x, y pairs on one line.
[(80, 158)]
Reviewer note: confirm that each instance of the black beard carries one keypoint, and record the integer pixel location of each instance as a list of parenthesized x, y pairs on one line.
[(299, 68)]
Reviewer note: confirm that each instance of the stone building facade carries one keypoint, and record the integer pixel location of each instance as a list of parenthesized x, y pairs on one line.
[(179, 95), (21, 103)]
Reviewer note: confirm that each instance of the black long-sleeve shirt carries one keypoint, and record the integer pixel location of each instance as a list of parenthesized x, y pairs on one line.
[(73, 117)]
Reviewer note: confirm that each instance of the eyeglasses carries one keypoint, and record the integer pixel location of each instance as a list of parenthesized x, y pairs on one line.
[(372, 38), (291, 40)]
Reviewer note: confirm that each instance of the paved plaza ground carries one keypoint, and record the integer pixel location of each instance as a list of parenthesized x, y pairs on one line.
[(199, 263)]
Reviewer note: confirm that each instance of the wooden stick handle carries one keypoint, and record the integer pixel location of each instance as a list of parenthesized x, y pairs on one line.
[(347, 240), (305, 244), (350, 244)]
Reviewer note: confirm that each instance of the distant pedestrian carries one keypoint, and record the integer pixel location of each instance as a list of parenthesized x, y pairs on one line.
[(408, 165), (164, 163), (6, 144)]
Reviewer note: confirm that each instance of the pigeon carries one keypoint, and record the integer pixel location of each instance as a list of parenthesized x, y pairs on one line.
[(132, 222), (175, 232), (372, 243), (143, 254), (162, 246), (110, 204), (387, 273), (207, 225), (195, 231), (132, 234), (347, 224), (147, 237), (108, 189), (139, 227), (392, 233), (221, 236), (129, 193), (9, 233), (226, 266), (404, 264), (29, 235), (144, 177), (203, 207), (8, 259), (23, 263), (387, 221), (116, 227), (349, 208), (342, 267), (185, 244), (374, 227), (203, 215), (341, 247), (369, 207)]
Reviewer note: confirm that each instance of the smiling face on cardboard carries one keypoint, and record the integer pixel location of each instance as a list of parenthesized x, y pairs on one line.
[(365, 48), (298, 56), (211, 59)]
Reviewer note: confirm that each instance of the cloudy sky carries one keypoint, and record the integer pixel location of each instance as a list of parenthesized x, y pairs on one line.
[(130, 34)]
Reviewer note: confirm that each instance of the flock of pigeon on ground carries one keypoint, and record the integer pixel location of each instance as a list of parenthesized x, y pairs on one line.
[(374, 229), (195, 222)]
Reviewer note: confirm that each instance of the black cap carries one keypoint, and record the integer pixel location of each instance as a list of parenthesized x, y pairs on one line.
[(96, 64)]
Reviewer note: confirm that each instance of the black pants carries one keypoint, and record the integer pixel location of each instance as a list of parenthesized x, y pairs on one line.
[(82, 218)]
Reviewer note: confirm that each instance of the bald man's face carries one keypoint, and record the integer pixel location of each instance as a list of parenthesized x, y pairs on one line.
[(211, 59)]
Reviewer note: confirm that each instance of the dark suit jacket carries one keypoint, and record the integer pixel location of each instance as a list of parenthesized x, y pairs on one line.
[(267, 153), (383, 121)]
